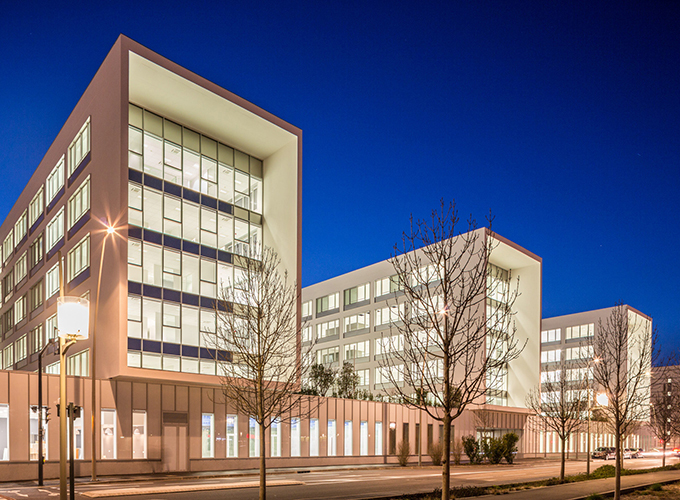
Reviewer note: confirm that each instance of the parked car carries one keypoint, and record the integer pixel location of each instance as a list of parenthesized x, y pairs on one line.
[(637, 453), (611, 454), (628, 452), (602, 452)]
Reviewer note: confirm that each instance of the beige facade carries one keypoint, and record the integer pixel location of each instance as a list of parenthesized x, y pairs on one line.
[(173, 436)]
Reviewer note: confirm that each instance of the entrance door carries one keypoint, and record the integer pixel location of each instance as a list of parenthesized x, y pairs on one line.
[(175, 449)]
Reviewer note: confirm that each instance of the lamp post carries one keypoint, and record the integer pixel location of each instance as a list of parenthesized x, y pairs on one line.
[(73, 320), (93, 361)]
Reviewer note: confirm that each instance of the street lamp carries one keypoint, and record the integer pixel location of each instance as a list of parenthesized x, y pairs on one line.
[(590, 401), (93, 360), (73, 320)]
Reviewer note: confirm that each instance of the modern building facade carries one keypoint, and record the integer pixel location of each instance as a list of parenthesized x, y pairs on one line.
[(351, 318), (193, 179), (567, 350)]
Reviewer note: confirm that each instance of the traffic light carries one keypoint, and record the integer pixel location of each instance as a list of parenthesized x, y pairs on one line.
[(46, 409)]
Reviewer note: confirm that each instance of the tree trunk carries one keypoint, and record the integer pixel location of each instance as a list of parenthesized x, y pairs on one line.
[(619, 458), (663, 457), (564, 446), (446, 465), (263, 469)]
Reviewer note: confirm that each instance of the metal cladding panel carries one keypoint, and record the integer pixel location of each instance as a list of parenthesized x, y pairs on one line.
[(168, 397), (194, 422), (182, 398), (207, 400), (220, 429), (124, 419), (138, 396), (18, 416)]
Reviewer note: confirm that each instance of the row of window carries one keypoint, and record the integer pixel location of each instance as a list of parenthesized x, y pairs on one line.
[(78, 257), (108, 435), (571, 375), (168, 214), (78, 204), (296, 439), (78, 260), (176, 154), (383, 316), (497, 285)]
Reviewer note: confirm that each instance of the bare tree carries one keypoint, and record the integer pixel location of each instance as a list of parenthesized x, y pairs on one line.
[(560, 404), (624, 345), (664, 413), (257, 324), (453, 335)]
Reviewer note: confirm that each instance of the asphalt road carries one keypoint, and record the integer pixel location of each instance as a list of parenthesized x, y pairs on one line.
[(331, 484)]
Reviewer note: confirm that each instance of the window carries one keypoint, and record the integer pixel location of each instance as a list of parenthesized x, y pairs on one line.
[(255, 194), (387, 315), (295, 437), (357, 294), (232, 436), (387, 285), (551, 356), (4, 433), (21, 348), (79, 258), (356, 350), (20, 228), (327, 329), (363, 438), (20, 268), (55, 229), (8, 285), (36, 294), (34, 435), (357, 322), (551, 335), (363, 376), (313, 437), (328, 303), (208, 435), (36, 207), (37, 338), (79, 147), (253, 438), (348, 438), (8, 246), (307, 309), (8, 357), (387, 344), (307, 334), (20, 310), (328, 356), (52, 280), (36, 252), (138, 434), (55, 181), (581, 331), (332, 437), (580, 352), (79, 203), (108, 426), (78, 364), (275, 437), (378, 438), (51, 327), (389, 374)]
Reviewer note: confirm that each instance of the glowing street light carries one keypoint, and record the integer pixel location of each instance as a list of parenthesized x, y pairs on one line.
[(602, 399)]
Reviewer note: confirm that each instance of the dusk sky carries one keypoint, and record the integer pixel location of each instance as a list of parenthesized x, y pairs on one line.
[(562, 118)]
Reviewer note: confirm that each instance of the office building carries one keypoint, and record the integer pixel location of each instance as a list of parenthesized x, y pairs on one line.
[(567, 350)]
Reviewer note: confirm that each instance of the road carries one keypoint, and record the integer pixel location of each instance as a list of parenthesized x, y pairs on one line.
[(324, 484)]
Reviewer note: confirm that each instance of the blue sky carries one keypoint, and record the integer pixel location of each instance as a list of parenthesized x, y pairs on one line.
[(562, 118)]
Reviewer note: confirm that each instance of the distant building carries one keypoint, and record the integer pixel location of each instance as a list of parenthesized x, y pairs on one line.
[(350, 316), (567, 351)]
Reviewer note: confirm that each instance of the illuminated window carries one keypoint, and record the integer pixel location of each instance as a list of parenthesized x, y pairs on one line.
[(79, 147)]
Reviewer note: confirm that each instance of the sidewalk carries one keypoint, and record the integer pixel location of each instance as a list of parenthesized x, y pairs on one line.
[(580, 490)]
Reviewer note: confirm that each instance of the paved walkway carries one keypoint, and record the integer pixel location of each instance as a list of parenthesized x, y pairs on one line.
[(580, 490)]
